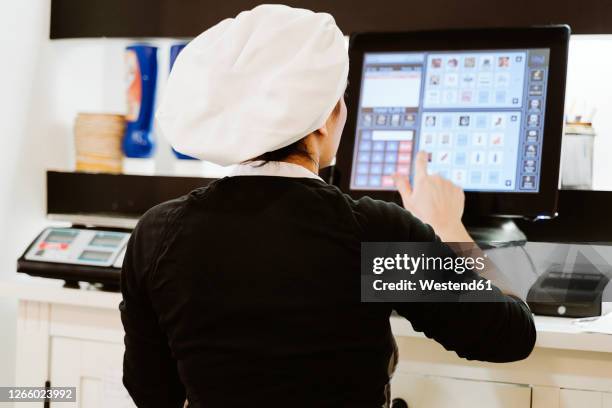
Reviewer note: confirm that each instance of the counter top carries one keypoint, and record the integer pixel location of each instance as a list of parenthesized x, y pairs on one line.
[(24, 287), (553, 332)]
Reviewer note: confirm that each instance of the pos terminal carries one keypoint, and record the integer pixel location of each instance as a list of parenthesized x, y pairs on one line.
[(486, 105)]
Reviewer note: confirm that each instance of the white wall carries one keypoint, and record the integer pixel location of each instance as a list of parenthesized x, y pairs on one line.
[(24, 148)]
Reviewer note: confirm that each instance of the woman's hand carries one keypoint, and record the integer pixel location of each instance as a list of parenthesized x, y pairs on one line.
[(435, 201), (439, 203)]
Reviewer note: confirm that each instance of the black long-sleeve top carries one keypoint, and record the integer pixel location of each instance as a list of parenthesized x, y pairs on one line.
[(247, 293)]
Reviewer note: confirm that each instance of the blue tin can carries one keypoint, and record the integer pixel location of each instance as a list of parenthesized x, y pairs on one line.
[(175, 50), (141, 67)]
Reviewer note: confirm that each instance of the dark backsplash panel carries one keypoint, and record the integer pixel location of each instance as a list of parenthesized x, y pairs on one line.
[(113, 194), (584, 216), (188, 18)]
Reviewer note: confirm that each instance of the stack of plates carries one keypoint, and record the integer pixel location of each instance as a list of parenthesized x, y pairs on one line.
[(97, 139)]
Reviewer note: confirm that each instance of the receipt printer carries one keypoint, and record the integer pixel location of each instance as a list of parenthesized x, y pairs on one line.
[(577, 293)]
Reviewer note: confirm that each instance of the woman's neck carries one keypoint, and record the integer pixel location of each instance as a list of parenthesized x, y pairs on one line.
[(309, 164)]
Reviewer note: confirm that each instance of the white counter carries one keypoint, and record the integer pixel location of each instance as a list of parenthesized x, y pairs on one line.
[(553, 332), (24, 287)]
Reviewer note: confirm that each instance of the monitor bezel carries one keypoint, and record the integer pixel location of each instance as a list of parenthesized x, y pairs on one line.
[(511, 204)]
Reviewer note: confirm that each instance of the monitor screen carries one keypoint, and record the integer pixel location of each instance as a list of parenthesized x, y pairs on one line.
[(479, 115)]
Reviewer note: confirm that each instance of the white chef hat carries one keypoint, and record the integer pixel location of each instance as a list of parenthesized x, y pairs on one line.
[(254, 84)]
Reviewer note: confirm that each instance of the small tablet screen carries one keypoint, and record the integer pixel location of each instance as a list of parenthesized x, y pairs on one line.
[(478, 114)]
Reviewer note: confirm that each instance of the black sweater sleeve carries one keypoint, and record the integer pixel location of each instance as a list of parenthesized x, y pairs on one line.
[(149, 371), (498, 330)]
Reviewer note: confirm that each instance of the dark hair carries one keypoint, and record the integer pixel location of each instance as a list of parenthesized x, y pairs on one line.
[(297, 148)]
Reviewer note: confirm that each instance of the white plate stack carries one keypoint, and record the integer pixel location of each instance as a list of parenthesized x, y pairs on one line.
[(97, 139)]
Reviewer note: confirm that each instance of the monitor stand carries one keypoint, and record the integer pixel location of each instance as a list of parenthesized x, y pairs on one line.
[(493, 232)]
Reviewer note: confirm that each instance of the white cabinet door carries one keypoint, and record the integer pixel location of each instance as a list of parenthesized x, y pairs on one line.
[(94, 367), (440, 392), (606, 400), (545, 397), (580, 399)]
